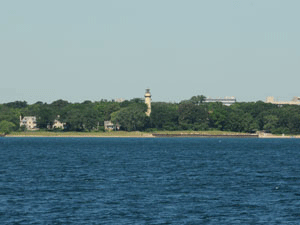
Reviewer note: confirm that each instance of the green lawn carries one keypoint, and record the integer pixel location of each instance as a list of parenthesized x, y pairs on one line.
[(112, 133), (78, 134), (211, 132)]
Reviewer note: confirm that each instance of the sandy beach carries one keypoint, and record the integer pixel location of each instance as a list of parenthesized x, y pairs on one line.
[(265, 135)]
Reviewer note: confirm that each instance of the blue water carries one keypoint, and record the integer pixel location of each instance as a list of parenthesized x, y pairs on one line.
[(149, 181)]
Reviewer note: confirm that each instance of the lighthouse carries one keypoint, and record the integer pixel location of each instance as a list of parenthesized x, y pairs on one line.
[(148, 101)]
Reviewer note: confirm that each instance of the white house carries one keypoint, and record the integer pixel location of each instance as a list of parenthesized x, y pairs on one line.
[(108, 125), (29, 122), (57, 124)]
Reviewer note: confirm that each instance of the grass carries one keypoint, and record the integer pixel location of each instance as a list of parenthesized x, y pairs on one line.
[(78, 134), (209, 132), (112, 133), (129, 134)]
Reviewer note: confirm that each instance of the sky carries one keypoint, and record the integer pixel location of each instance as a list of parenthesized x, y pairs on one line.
[(79, 50)]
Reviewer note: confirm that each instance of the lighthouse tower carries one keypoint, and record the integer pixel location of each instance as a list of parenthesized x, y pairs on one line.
[(148, 101)]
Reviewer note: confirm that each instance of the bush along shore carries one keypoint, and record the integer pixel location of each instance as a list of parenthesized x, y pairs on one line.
[(192, 115)]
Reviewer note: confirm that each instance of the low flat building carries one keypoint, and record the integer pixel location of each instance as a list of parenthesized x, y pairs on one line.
[(295, 101), (225, 101)]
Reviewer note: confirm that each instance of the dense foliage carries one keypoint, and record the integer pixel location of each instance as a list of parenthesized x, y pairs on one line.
[(192, 114)]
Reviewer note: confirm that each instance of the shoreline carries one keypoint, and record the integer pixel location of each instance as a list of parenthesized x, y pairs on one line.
[(75, 136), (208, 135), (80, 135), (176, 134)]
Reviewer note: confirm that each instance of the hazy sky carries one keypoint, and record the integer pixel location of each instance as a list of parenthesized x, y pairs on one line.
[(80, 50)]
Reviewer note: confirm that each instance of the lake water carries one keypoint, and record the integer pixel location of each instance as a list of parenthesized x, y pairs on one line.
[(149, 181)]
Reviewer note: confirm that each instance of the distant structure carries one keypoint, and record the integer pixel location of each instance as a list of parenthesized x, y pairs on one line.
[(29, 122), (57, 124), (148, 101), (295, 101), (228, 101), (119, 100), (108, 125)]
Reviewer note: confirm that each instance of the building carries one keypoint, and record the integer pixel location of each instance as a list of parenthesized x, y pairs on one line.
[(29, 122), (57, 124), (108, 125), (148, 101), (228, 101), (119, 100), (295, 101)]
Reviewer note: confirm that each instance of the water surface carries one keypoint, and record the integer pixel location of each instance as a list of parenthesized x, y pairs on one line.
[(149, 181)]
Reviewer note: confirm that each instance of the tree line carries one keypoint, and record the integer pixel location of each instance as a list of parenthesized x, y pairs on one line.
[(192, 114)]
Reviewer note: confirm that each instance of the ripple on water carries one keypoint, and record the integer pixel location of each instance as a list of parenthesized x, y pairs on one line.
[(149, 181)]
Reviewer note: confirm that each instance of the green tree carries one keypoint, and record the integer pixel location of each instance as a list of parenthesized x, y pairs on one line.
[(17, 104), (105, 109), (199, 99), (45, 116), (10, 114), (6, 127), (193, 117), (73, 117), (288, 120), (164, 116), (59, 104), (132, 118), (240, 121), (90, 118), (270, 122), (218, 114)]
